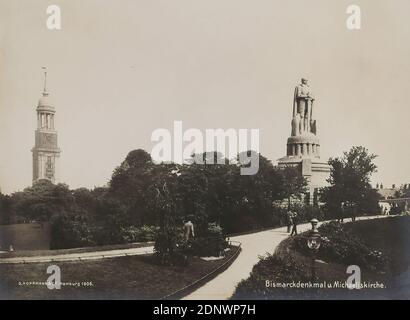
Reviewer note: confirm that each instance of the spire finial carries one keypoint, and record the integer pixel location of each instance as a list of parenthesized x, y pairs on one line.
[(45, 80)]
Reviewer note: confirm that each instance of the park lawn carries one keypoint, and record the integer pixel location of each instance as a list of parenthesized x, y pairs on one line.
[(136, 277), (389, 235), (25, 236)]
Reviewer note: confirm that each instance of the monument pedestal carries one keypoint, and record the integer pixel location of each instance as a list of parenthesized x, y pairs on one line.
[(314, 170), (303, 152)]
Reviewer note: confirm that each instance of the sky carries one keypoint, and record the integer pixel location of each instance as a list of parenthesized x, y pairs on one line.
[(118, 70)]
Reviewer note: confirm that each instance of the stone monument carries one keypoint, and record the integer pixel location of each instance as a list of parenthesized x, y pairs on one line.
[(303, 147)]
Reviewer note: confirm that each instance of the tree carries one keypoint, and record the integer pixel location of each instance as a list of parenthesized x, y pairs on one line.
[(294, 184), (205, 188), (259, 191), (130, 181), (6, 214), (110, 217), (163, 200), (43, 200), (71, 230), (404, 191), (350, 183)]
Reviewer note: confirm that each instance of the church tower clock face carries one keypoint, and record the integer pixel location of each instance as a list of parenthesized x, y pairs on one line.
[(46, 151)]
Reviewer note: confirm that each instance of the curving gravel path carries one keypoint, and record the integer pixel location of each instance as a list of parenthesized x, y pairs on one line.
[(95, 255)]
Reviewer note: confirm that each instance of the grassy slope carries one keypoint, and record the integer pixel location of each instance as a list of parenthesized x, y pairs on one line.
[(392, 237), (135, 277)]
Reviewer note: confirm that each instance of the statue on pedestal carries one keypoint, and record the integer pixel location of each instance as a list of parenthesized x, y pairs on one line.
[(302, 121)]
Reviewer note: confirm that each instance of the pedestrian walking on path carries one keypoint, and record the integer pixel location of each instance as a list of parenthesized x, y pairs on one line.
[(295, 224), (289, 217)]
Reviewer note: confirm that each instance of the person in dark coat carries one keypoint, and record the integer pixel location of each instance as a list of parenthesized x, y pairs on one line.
[(289, 217), (295, 224)]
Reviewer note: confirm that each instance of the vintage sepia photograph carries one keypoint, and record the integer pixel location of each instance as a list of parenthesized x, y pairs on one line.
[(204, 150)]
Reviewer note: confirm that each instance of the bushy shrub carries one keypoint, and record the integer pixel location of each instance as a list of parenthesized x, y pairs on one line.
[(397, 209), (212, 243), (70, 231), (168, 246), (308, 212), (341, 246), (214, 231), (138, 234)]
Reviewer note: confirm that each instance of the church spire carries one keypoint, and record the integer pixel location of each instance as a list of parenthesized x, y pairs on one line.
[(45, 93)]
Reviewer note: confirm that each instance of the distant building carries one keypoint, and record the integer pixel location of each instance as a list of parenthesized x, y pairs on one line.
[(393, 200), (45, 151), (387, 193)]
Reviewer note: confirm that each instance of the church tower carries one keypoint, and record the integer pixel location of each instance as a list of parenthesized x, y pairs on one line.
[(45, 151)]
